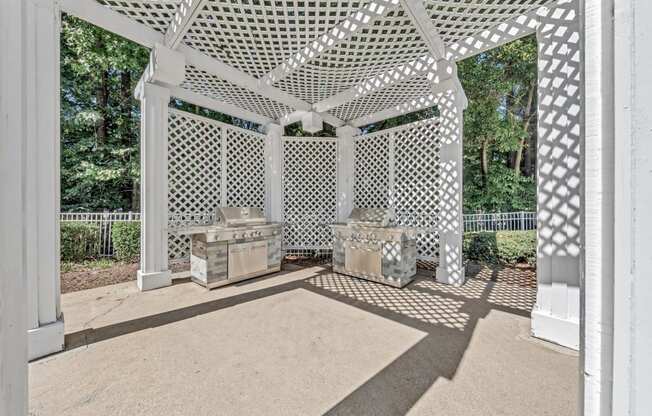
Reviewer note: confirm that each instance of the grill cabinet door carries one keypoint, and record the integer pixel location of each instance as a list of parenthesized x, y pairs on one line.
[(247, 258)]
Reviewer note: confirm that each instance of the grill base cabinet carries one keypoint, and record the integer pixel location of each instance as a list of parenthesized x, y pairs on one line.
[(240, 245), (366, 247)]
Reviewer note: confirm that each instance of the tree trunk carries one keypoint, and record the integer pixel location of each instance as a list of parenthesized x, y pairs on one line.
[(102, 96), (526, 128), (484, 162)]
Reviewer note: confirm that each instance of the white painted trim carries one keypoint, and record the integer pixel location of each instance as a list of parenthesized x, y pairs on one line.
[(274, 172), (404, 108), (45, 340), (426, 28), (436, 71), (13, 294), (215, 105), (183, 19), (102, 16), (155, 280), (564, 332)]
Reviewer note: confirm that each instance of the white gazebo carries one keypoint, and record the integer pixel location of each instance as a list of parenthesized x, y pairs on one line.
[(349, 64)]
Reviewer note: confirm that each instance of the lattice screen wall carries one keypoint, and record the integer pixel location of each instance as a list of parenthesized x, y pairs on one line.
[(309, 192), (399, 168), (200, 151)]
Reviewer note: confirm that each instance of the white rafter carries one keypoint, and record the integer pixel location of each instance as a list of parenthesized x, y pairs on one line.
[(216, 105), (104, 17), (421, 21), (434, 70), (182, 21), (364, 17), (501, 34)]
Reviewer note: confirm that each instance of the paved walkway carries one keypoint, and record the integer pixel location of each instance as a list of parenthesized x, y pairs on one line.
[(306, 342)]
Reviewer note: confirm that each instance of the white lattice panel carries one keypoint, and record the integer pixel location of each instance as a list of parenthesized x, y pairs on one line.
[(245, 174), (417, 181), (309, 191), (371, 180), (194, 173), (156, 14), (400, 168), (198, 159)]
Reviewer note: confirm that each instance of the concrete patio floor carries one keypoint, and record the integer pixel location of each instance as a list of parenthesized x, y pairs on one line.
[(306, 342)]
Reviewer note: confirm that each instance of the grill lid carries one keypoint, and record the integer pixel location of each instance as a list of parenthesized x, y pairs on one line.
[(371, 217), (238, 216)]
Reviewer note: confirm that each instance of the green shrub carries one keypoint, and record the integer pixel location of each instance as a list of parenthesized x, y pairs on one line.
[(501, 247), (125, 237), (79, 241)]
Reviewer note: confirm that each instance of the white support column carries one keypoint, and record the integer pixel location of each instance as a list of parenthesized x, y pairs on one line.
[(45, 321), (556, 313), (345, 170), (632, 361), (154, 271), (596, 323), (274, 172), (13, 293), (450, 270)]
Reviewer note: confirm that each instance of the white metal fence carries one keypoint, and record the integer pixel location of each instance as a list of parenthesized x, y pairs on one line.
[(502, 221), (104, 221)]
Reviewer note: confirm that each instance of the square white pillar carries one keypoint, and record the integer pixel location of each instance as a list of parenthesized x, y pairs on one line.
[(274, 173), (345, 170), (42, 195), (451, 226), (555, 316), (13, 292), (154, 101)]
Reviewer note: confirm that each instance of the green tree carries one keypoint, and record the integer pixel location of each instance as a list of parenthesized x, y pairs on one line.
[(499, 128), (99, 118)]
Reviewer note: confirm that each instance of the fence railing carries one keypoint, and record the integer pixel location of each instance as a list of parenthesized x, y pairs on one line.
[(104, 221), (502, 221)]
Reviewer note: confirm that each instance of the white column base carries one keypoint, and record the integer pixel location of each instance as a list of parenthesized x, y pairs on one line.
[(45, 340), (450, 276), (565, 332), (149, 281)]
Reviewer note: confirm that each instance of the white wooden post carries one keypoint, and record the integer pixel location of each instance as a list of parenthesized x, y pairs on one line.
[(451, 105), (13, 292), (632, 385), (41, 208), (273, 174), (154, 271), (345, 170), (556, 313)]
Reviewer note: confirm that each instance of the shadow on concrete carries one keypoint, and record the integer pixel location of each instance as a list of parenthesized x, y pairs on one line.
[(447, 314)]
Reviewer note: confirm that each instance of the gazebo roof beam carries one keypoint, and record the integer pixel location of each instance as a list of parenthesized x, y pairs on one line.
[(219, 106), (421, 21), (513, 29), (364, 17), (182, 21), (434, 70), (104, 17), (499, 35)]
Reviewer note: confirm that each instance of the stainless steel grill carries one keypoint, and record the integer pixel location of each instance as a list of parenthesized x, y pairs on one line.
[(240, 245), (371, 247)]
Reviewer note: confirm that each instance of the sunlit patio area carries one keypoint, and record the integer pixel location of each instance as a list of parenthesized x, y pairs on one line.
[(307, 341)]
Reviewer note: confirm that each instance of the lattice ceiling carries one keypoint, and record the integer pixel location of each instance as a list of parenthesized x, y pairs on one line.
[(257, 37)]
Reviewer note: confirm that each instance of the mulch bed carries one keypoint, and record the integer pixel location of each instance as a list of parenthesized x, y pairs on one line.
[(89, 278)]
